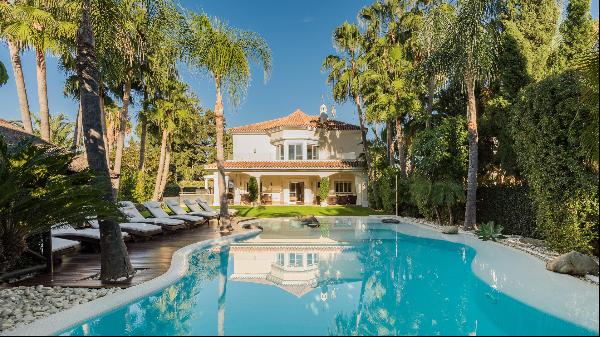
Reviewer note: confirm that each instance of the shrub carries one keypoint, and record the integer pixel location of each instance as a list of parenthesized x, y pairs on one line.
[(509, 205), (324, 189), (546, 124), (253, 189)]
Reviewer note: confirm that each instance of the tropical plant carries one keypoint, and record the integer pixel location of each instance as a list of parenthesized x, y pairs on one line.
[(115, 265), (40, 191), (61, 130), (225, 53), (490, 231), (468, 56), (588, 66)]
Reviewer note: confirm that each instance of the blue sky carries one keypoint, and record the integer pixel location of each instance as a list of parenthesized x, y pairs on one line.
[(298, 32)]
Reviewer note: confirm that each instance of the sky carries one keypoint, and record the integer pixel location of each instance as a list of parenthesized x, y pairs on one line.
[(299, 34)]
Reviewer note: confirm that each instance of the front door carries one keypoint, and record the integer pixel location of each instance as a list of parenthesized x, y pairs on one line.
[(297, 193)]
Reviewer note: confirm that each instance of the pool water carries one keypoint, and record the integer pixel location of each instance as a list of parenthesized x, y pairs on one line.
[(344, 279)]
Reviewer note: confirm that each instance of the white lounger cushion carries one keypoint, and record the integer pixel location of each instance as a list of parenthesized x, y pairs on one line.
[(155, 208), (193, 206), (177, 209), (59, 245), (90, 233), (133, 227), (207, 207), (133, 215)]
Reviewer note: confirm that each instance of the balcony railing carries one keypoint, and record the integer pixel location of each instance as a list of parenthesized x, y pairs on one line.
[(272, 157)]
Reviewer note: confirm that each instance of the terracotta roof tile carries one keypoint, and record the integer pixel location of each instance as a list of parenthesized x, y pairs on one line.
[(295, 119), (13, 134), (289, 164)]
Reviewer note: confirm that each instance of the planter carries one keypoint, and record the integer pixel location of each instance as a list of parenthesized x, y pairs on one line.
[(324, 204)]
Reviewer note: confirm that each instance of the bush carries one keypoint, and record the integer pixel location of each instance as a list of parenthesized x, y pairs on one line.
[(253, 189), (510, 206), (546, 124), (324, 189), (490, 231)]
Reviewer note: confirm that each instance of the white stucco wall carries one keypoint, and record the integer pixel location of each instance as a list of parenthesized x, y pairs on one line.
[(252, 147)]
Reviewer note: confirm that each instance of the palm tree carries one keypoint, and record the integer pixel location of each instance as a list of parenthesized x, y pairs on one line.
[(15, 58), (468, 55), (115, 263), (226, 54), (42, 25), (345, 73), (61, 130)]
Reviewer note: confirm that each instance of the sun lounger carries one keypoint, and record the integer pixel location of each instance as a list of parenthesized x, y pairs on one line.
[(63, 246), (134, 228), (195, 207), (206, 207), (133, 215), (177, 209), (155, 208), (87, 235)]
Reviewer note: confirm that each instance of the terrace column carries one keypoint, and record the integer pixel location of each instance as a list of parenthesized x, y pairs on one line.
[(259, 188), (216, 189)]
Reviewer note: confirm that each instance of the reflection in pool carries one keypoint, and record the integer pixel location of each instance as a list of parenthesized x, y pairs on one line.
[(342, 279)]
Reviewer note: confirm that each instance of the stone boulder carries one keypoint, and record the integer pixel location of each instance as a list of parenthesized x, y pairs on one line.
[(390, 220), (310, 221), (450, 230), (573, 263)]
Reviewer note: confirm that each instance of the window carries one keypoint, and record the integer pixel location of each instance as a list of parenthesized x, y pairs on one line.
[(343, 187), (280, 259), (280, 153), (295, 260), (312, 152), (295, 152), (312, 259)]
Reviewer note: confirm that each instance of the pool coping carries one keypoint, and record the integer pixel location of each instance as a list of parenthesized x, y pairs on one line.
[(59, 322)]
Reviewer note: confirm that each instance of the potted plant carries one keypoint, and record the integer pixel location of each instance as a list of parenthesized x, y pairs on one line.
[(253, 191)]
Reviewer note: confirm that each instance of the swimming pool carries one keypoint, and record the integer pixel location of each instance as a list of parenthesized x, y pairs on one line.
[(357, 276)]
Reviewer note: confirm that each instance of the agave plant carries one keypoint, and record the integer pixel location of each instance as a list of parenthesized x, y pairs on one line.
[(39, 191), (490, 231)]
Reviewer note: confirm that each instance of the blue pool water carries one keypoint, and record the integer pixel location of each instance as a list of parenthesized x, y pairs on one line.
[(329, 281)]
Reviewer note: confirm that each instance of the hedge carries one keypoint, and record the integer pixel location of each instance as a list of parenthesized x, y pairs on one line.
[(509, 206)]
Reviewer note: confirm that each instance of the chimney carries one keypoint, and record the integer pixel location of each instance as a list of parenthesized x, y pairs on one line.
[(323, 116)]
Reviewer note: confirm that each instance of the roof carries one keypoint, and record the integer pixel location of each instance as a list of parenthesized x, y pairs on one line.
[(289, 164), (14, 134), (296, 119)]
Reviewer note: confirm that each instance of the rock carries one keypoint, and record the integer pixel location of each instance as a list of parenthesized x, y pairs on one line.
[(450, 230), (390, 220), (309, 221), (573, 263)]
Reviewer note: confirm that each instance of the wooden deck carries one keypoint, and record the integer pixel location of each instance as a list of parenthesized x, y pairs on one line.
[(150, 258)]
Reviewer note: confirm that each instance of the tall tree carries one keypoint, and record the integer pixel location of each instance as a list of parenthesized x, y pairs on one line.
[(115, 263), (41, 25), (226, 54), (344, 74), (3, 75), (15, 59), (578, 37), (469, 55)]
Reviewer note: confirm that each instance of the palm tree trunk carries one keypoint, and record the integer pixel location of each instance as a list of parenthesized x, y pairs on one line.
[(103, 118), (450, 215), (40, 61), (220, 130), (142, 118), (401, 146), (390, 142), (78, 130), (223, 266), (161, 166), (123, 118), (471, 209), (115, 265), (165, 174), (363, 131), (15, 59)]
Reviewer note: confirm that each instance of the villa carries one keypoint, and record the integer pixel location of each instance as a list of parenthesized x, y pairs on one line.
[(289, 156)]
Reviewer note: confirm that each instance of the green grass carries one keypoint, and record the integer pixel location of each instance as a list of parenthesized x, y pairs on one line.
[(292, 211)]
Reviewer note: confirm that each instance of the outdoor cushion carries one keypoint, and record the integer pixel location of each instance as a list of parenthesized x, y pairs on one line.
[(155, 208), (134, 228), (177, 209), (133, 215), (61, 245)]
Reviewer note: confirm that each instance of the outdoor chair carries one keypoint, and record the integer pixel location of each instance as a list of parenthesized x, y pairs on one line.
[(156, 209), (136, 229), (133, 215), (177, 209)]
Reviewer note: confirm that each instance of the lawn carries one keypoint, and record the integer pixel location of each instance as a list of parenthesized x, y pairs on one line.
[(292, 211)]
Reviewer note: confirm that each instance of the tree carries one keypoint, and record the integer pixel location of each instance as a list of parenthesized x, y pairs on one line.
[(578, 37), (15, 59), (344, 72), (225, 53), (253, 189), (468, 55), (61, 130), (41, 25), (115, 263)]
